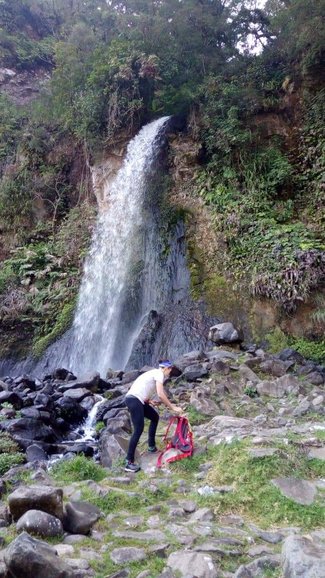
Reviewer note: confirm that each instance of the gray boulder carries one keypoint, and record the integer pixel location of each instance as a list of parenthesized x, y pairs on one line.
[(79, 517), (315, 378), (40, 523), (35, 453), (127, 554), (223, 333), (191, 358), (303, 556), (203, 403), (26, 430), (195, 371), (275, 367), (11, 397), (279, 387), (70, 410), (44, 498), (112, 447), (78, 394), (192, 564), (27, 557), (252, 569), (300, 491)]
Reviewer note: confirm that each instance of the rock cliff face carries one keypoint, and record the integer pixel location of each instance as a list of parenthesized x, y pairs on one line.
[(206, 249), (23, 87)]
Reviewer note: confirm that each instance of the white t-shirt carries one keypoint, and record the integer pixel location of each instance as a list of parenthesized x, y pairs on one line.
[(144, 387)]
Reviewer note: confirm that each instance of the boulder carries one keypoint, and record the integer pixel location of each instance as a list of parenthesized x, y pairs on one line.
[(70, 410), (216, 354), (35, 453), (279, 387), (248, 374), (192, 564), (40, 523), (300, 491), (303, 556), (11, 397), (253, 569), (116, 403), (221, 422), (202, 402), (127, 554), (315, 378), (118, 425), (224, 333), (85, 448), (112, 447), (62, 374), (290, 354), (28, 557), (195, 371), (78, 394), (275, 367), (316, 453), (26, 430), (191, 358), (79, 517), (44, 498)]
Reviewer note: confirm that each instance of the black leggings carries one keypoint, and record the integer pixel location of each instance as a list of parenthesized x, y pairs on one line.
[(138, 412)]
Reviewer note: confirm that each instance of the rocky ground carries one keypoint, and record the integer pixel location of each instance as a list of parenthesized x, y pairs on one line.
[(249, 503)]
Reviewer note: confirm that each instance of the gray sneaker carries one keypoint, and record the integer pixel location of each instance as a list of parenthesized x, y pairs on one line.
[(130, 467)]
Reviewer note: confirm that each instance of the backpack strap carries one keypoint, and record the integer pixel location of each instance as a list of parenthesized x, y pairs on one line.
[(181, 423), (168, 444)]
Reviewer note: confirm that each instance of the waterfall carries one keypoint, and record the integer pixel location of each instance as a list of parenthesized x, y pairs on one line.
[(113, 295), (134, 303)]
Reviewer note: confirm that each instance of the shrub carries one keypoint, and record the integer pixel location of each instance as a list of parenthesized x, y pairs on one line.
[(7, 461), (7, 444), (314, 350), (99, 426), (277, 340)]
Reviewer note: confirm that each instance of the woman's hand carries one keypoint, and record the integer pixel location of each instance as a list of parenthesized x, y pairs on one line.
[(176, 409), (154, 402)]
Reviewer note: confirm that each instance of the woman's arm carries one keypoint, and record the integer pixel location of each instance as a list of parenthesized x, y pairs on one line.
[(163, 397)]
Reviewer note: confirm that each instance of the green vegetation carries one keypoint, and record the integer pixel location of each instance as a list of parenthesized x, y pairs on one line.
[(7, 461), (254, 495), (314, 350), (39, 282), (77, 469), (153, 564), (251, 391), (99, 426), (7, 444), (311, 349), (194, 416)]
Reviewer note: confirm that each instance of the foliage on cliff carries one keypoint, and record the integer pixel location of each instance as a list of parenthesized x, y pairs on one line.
[(115, 65)]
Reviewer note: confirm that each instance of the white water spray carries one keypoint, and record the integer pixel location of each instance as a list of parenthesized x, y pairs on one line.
[(103, 334)]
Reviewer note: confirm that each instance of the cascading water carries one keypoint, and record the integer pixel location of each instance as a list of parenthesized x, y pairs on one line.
[(102, 334)]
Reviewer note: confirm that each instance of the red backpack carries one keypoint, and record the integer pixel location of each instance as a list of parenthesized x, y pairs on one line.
[(181, 440)]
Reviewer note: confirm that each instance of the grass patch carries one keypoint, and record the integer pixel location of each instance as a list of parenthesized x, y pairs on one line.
[(189, 465), (113, 502), (254, 495), (77, 469), (319, 434), (8, 444), (153, 564), (7, 461)]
